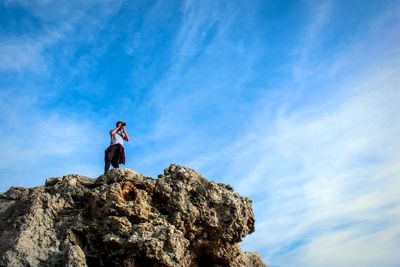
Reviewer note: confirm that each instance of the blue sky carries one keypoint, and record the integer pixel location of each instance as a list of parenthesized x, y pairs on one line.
[(293, 103)]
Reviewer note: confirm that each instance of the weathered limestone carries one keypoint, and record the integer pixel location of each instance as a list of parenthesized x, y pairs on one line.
[(126, 219)]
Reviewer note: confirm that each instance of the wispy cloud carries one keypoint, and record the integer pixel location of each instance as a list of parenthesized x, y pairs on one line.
[(320, 15), (73, 22), (325, 176), (36, 133), (26, 53), (321, 171), (37, 140), (198, 78), (325, 179)]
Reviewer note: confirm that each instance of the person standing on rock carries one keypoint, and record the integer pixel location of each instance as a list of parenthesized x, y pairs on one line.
[(115, 153)]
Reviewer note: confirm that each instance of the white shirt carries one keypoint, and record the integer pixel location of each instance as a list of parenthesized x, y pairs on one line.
[(117, 138)]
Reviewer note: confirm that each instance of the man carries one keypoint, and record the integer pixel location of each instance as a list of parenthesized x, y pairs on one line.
[(115, 153)]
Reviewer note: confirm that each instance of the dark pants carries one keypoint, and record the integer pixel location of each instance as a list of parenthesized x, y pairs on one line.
[(112, 156)]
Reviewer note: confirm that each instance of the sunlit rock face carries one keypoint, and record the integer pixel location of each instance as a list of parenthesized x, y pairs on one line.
[(126, 219)]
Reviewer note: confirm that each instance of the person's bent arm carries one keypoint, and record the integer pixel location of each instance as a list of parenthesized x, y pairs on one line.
[(126, 136), (112, 132)]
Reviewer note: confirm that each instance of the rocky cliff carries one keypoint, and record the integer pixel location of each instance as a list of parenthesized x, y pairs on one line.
[(126, 219)]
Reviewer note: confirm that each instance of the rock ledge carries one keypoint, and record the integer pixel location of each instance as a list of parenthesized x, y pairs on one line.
[(126, 219)]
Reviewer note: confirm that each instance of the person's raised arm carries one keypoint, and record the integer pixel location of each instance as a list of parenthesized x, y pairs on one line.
[(126, 136), (112, 132)]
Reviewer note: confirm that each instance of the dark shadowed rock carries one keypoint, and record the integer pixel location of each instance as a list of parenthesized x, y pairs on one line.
[(126, 219)]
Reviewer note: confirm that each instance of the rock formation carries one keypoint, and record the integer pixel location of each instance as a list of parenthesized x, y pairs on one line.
[(126, 219)]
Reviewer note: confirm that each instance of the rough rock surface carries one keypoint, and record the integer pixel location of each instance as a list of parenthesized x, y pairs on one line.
[(126, 219)]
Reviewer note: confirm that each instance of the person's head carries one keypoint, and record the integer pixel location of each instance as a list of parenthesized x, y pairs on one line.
[(119, 123)]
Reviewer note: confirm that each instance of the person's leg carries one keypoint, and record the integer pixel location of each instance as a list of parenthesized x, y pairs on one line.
[(109, 154), (107, 161), (115, 159)]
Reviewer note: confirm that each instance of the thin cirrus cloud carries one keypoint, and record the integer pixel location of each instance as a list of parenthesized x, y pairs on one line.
[(332, 179), (325, 177)]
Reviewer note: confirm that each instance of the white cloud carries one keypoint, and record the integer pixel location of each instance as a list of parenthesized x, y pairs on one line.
[(70, 22), (17, 57), (31, 138), (198, 77), (320, 15), (43, 142), (36, 133), (327, 177), (324, 176), (353, 248), (330, 166), (25, 53)]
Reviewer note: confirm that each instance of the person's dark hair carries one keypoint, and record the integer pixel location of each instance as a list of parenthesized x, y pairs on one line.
[(118, 122)]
